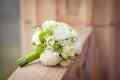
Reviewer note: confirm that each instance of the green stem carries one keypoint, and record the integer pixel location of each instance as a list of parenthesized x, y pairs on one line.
[(30, 56)]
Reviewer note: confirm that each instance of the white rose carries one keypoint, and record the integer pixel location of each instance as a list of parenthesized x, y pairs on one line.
[(49, 58)]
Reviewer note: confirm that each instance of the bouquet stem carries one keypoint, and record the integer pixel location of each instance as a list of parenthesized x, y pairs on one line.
[(30, 56)]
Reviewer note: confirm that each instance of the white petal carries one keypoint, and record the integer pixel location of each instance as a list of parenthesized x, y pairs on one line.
[(49, 58)]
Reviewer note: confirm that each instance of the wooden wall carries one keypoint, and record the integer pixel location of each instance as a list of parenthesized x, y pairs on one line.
[(106, 22)]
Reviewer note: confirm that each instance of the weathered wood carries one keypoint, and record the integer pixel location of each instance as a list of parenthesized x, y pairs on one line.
[(27, 24), (37, 71), (77, 70)]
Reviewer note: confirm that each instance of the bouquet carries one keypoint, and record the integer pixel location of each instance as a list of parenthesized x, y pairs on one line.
[(56, 44)]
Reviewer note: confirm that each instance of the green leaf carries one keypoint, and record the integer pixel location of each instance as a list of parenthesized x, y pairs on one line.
[(44, 33), (56, 46)]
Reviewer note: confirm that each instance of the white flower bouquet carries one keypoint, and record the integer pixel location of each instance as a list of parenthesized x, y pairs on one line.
[(56, 44)]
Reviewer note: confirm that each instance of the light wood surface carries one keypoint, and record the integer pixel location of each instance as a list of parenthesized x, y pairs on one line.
[(37, 71)]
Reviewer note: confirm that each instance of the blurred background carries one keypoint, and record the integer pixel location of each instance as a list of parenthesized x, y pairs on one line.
[(19, 18), (10, 48)]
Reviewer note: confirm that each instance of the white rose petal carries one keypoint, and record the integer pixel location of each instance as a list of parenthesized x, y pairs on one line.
[(47, 24), (49, 58), (35, 37), (61, 33), (78, 46)]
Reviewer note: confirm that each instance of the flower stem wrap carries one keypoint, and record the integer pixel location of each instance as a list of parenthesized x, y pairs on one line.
[(30, 56)]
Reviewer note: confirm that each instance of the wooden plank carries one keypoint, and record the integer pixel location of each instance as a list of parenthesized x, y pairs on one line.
[(27, 23), (37, 71), (46, 10), (102, 12), (74, 12)]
